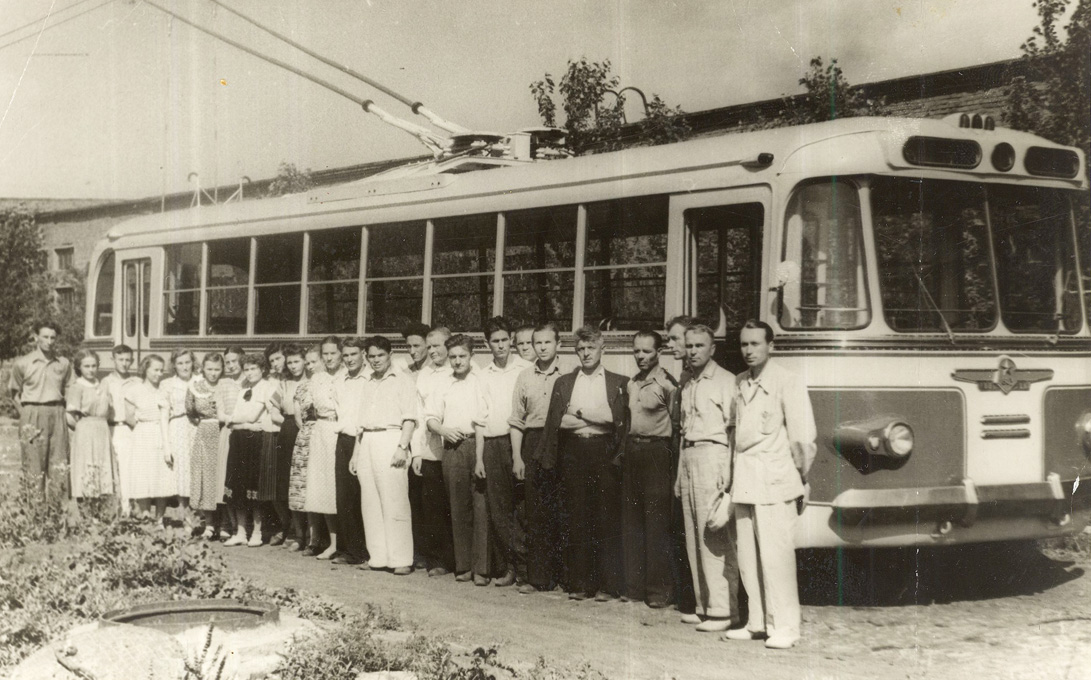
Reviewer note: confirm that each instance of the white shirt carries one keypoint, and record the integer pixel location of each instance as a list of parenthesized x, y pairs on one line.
[(589, 397), (457, 402), (499, 388), (427, 444)]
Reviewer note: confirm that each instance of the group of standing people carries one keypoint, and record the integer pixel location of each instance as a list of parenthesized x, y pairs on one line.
[(516, 472)]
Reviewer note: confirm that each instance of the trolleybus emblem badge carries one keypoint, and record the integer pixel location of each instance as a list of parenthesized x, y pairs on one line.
[(1005, 378)]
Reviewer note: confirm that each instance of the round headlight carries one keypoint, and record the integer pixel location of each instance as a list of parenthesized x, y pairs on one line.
[(898, 439), (1003, 157)]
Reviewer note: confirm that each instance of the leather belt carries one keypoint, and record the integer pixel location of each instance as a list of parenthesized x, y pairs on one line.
[(648, 438), (690, 443)]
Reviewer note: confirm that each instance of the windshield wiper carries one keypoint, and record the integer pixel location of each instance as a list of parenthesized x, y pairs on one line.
[(935, 307)]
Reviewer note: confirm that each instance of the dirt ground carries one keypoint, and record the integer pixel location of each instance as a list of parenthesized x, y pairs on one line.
[(1002, 611)]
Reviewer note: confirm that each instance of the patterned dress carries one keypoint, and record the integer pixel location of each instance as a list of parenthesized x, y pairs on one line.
[(180, 430), (152, 477), (92, 470), (321, 493), (297, 481), (204, 454)]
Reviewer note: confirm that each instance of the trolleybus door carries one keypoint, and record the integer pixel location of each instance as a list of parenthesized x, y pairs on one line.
[(721, 249), (136, 279)]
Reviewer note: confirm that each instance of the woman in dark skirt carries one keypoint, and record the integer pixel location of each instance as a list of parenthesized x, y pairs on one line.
[(252, 453)]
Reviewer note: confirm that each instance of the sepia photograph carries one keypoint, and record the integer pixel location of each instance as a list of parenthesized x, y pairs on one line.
[(509, 340)]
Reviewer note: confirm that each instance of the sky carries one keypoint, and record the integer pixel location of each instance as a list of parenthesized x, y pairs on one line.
[(124, 102)]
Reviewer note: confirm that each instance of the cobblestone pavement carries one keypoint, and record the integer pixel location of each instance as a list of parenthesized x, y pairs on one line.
[(997, 611)]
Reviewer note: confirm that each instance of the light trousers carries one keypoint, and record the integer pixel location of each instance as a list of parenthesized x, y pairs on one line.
[(767, 562), (384, 501), (712, 558)]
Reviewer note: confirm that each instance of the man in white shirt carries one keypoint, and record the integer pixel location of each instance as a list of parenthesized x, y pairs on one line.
[(494, 445), (452, 409)]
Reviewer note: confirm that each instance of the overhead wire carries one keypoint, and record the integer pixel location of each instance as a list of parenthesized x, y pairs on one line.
[(416, 106), (42, 18), (54, 25)]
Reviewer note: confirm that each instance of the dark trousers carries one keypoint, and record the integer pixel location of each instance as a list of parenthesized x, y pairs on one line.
[(350, 525), (543, 518), (647, 493), (508, 544), (416, 510), (592, 489), (45, 454), (469, 509), (432, 517)]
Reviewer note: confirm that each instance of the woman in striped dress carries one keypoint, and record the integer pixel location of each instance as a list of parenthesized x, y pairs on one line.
[(321, 496), (204, 495), (180, 428), (147, 408)]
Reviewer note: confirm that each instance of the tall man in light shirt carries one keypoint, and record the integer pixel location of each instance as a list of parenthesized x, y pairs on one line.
[(121, 435), (542, 510), (494, 445), (432, 517), (586, 421), (386, 420), (704, 468), (37, 386), (453, 407), (348, 389), (774, 448)]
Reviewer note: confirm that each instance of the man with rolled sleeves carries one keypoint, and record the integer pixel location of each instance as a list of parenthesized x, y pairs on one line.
[(704, 469), (646, 476), (587, 418), (37, 385), (530, 405), (774, 448)]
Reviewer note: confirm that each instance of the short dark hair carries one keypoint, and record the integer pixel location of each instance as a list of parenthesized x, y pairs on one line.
[(294, 350), (415, 328), (524, 328), (755, 324), (212, 358), (146, 363), (234, 349), (497, 323), (460, 340), (330, 340), (657, 339), (380, 342), (354, 341), (121, 349), (272, 348), (46, 323), (683, 320), (548, 326), (439, 330), (588, 333), (82, 354), (255, 359)]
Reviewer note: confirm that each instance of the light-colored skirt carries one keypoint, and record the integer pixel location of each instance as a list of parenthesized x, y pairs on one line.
[(152, 477), (321, 490), (181, 431), (92, 467)]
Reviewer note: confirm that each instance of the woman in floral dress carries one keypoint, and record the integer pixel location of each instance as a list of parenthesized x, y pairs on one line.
[(297, 483), (204, 454), (88, 405)]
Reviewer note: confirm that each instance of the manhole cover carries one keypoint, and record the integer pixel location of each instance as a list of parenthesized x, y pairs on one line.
[(177, 616)]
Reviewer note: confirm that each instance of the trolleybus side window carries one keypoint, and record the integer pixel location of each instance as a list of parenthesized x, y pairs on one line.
[(228, 282), (277, 277), (395, 276), (1035, 259), (182, 289), (626, 263), (333, 290), (823, 277), (463, 264), (1082, 213), (104, 297), (933, 253), (540, 264)]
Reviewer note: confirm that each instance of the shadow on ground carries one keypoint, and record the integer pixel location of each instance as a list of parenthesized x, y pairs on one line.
[(895, 577)]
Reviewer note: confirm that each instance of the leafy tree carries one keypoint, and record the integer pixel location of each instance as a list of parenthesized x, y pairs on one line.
[(290, 180), (1054, 99), (594, 109), (827, 96), (22, 278)]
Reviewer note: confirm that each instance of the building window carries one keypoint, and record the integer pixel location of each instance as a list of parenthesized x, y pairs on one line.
[(64, 258), (66, 297)]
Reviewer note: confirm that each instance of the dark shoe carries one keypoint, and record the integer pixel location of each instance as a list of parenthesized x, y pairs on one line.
[(603, 596), (311, 551), (403, 571), (480, 580), (465, 576), (346, 559), (527, 589), (657, 604), (277, 539), (437, 571), (506, 580)]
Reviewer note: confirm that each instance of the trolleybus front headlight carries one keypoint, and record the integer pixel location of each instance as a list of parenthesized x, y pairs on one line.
[(1083, 432), (887, 436)]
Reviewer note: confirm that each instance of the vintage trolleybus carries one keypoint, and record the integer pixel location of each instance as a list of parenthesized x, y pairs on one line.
[(928, 278)]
